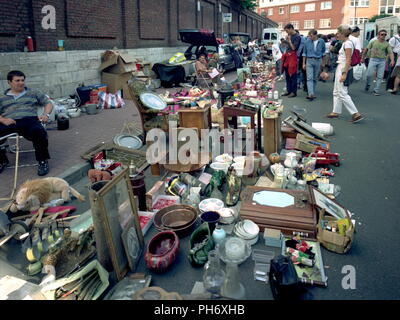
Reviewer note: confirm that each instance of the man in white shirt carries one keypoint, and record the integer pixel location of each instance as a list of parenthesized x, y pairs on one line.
[(277, 56), (395, 43), (354, 37)]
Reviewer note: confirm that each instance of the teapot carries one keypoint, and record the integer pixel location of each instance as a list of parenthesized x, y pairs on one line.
[(290, 161)]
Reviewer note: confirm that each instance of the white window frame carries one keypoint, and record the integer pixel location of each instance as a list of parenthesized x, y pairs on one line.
[(280, 25), (281, 10), (325, 25), (359, 3), (295, 9), (324, 5), (296, 24), (309, 24), (270, 11), (308, 7)]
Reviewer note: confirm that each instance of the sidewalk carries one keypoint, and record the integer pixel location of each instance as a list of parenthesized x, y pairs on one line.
[(66, 147)]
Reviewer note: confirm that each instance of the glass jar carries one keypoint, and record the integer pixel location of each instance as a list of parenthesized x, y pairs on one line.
[(218, 234), (213, 275)]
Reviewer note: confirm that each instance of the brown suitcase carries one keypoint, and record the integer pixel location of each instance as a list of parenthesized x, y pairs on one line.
[(299, 218)]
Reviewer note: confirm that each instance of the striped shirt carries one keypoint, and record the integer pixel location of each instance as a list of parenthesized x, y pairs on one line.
[(23, 105)]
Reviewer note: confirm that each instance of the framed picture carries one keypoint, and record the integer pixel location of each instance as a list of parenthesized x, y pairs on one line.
[(330, 206), (314, 275), (121, 223)]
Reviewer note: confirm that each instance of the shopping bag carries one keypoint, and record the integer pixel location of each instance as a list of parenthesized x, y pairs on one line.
[(110, 101), (358, 71)]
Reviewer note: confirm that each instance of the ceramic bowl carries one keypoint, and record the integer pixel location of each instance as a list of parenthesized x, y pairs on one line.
[(211, 204), (239, 159), (74, 113), (161, 251), (228, 215), (179, 218), (178, 210), (211, 217), (220, 166)]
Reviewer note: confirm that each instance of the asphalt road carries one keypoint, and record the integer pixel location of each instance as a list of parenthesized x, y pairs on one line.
[(368, 177)]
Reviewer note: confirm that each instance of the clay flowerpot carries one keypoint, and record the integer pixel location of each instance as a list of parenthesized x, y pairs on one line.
[(274, 158), (161, 251)]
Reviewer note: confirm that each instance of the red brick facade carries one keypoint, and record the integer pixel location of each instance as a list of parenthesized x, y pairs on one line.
[(335, 15), (99, 24)]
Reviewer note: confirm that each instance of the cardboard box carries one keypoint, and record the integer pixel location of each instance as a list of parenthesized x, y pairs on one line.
[(117, 82), (308, 144), (157, 189), (116, 63)]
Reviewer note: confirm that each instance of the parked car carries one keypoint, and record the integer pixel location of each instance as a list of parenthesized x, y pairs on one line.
[(204, 41)]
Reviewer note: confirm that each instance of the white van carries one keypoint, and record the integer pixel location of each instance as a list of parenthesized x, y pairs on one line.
[(271, 35)]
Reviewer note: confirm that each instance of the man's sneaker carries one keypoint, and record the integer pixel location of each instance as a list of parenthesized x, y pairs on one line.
[(285, 94), (43, 168), (376, 93), (366, 88)]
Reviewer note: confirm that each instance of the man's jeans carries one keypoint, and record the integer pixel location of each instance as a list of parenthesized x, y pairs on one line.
[(313, 70), (378, 65)]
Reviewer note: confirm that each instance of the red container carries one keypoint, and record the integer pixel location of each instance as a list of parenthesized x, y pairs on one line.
[(29, 44), (162, 251)]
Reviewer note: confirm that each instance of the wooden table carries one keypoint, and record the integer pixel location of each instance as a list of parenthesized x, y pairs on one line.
[(195, 118)]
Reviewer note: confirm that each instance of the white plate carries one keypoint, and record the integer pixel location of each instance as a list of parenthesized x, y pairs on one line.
[(128, 141), (211, 204), (250, 228), (224, 158)]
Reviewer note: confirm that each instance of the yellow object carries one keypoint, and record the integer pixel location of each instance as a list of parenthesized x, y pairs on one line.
[(343, 225), (30, 255), (177, 58)]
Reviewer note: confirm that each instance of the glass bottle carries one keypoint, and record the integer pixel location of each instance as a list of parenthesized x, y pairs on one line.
[(232, 287), (213, 275)]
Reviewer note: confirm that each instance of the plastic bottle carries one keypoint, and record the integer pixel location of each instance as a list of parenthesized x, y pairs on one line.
[(269, 94), (276, 95)]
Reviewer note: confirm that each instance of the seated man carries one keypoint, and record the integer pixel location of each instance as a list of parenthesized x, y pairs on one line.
[(204, 69), (18, 114)]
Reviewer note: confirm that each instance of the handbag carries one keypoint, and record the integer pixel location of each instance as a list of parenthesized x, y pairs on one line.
[(283, 278), (349, 79)]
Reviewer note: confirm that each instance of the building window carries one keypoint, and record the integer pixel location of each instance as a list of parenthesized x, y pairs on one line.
[(294, 9), (270, 11), (280, 25), (354, 21), (397, 10), (309, 7), (309, 24), (281, 10), (325, 23), (359, 3), (295, 24), (387, 6), (326, 5)]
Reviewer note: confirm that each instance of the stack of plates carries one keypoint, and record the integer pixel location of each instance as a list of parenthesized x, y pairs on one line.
[(247, 230)]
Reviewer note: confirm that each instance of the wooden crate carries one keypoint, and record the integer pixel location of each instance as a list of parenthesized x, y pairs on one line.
[(195, 118)]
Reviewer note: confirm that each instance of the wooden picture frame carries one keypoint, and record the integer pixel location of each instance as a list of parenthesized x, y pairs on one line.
[(332, 207), (119, 215)]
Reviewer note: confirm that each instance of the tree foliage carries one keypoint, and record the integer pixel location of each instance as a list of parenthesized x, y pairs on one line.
[(379, 16), (248, 4)]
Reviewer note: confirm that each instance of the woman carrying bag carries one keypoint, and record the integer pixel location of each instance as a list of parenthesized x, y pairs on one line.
[(343, 78)]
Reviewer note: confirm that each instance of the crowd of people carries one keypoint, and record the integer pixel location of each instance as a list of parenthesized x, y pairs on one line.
[(306, 60)]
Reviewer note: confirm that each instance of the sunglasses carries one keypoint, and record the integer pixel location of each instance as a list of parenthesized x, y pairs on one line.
[(383, 34)]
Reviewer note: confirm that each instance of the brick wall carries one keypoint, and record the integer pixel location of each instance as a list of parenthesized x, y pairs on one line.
[(336, 15), (99, 24)]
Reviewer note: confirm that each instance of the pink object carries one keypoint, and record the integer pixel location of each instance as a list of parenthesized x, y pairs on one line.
[(58, 209), (162, 251)]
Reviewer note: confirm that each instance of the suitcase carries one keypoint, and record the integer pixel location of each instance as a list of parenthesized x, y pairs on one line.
[(299, 218)]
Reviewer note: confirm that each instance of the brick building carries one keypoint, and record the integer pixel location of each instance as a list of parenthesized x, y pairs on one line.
[(99, 24), (322, 15)]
